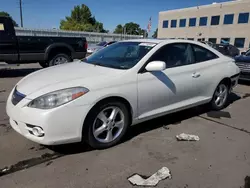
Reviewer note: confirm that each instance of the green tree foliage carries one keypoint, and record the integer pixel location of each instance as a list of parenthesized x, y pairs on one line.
[(2, 13), (130, 28), (81, 19), (155, 34), (118, 29)]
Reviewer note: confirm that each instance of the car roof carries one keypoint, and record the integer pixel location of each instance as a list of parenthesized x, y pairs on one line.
[(158, 41)]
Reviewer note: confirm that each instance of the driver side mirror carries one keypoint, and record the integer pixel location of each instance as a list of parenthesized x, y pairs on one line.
[(156, 66)]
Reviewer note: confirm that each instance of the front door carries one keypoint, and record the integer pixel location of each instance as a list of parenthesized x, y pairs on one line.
[(173, 88)]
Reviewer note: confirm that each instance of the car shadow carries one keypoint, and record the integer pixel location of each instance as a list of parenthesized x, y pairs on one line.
[(164, 121), (165, 80), (12, 73)]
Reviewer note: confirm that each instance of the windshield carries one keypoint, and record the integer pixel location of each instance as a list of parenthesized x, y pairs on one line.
[(101, 43), (121, 55)]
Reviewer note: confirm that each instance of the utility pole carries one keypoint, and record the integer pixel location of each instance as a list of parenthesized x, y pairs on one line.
[(21, 12)]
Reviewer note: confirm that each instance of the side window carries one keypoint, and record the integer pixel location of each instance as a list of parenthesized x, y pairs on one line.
[(201, 54), (174, 55)]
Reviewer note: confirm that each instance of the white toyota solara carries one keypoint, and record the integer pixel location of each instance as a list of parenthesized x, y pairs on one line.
[(97, 99)]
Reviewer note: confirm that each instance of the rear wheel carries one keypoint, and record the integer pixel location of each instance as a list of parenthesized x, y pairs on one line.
[(106, 125), (59, 59), (220, 98)]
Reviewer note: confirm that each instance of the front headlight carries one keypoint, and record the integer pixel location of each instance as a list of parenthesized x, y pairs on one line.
[(57, 98)]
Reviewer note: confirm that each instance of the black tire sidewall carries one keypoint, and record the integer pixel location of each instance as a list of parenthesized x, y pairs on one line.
[(88, 130), (52, 61), (43, 64), (213, 105)]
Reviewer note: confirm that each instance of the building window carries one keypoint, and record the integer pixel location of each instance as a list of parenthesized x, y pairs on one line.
[(239, 42), (215, 20), (173, 23), (203, 21), (165, 24), (182, 23), (192, 22), (213, 40), (243, 17), (228, 19), (225, 40)]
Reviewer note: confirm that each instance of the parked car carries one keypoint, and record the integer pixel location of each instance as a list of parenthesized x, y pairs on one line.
[(243, 62), (94, 48), (97, 99), (99, 46), (48, 51), (109, 43)]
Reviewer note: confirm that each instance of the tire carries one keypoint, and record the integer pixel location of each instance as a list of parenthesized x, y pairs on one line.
[(43, 64), (222, 92), (100, 139), (59, 59)]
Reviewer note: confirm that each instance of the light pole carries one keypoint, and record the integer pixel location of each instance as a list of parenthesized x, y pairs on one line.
[(21, 12)]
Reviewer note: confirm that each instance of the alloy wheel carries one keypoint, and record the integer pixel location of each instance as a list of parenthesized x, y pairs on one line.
[(108, 124), (60, 60), (221, 95)]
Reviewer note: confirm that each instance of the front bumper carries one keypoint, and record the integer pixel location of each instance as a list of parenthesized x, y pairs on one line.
[(61, 125), (245, 76)]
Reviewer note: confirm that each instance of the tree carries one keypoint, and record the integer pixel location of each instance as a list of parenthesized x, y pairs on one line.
[(118, 29), (130, 28), (2, 13), (155, 34), (81, 19)]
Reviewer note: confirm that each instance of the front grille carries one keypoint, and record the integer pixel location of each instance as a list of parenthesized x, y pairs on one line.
[(17, 97), (244, 66), (245, 75)]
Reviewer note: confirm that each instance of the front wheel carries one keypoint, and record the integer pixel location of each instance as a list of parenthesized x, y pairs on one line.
[(220, 98), (106, 125)]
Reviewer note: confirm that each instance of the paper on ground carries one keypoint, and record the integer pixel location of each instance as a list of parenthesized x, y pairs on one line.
[(153, 180), (187, 137)]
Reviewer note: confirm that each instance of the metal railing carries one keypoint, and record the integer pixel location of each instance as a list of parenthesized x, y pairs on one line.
[(91, 37)]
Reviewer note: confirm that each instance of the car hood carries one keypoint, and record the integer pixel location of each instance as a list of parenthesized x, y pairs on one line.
[(242, 58), (65, 75)]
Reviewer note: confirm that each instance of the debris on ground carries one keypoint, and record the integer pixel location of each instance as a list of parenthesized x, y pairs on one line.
[(5, 169), (187, 137), (153, 180), (165, 127)]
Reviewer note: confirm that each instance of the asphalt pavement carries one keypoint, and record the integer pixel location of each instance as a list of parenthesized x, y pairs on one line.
[(221, 159)]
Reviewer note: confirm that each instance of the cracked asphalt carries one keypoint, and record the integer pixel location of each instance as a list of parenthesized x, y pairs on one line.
[(220, 159)]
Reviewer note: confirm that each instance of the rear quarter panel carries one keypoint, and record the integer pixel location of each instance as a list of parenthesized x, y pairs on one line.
[(214, 72)]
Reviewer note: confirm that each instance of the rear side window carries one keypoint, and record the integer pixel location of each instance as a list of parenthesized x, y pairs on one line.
[(201, 54)]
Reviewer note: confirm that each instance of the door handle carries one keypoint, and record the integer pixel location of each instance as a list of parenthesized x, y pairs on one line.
[(196, 75)]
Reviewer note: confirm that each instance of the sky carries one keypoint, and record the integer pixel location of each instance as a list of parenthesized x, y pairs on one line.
[(48, 13)]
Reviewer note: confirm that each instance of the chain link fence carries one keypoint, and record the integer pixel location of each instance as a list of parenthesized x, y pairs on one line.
[(91, 37)]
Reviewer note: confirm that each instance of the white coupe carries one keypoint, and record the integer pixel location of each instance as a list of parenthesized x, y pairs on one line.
[(97, 99)]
